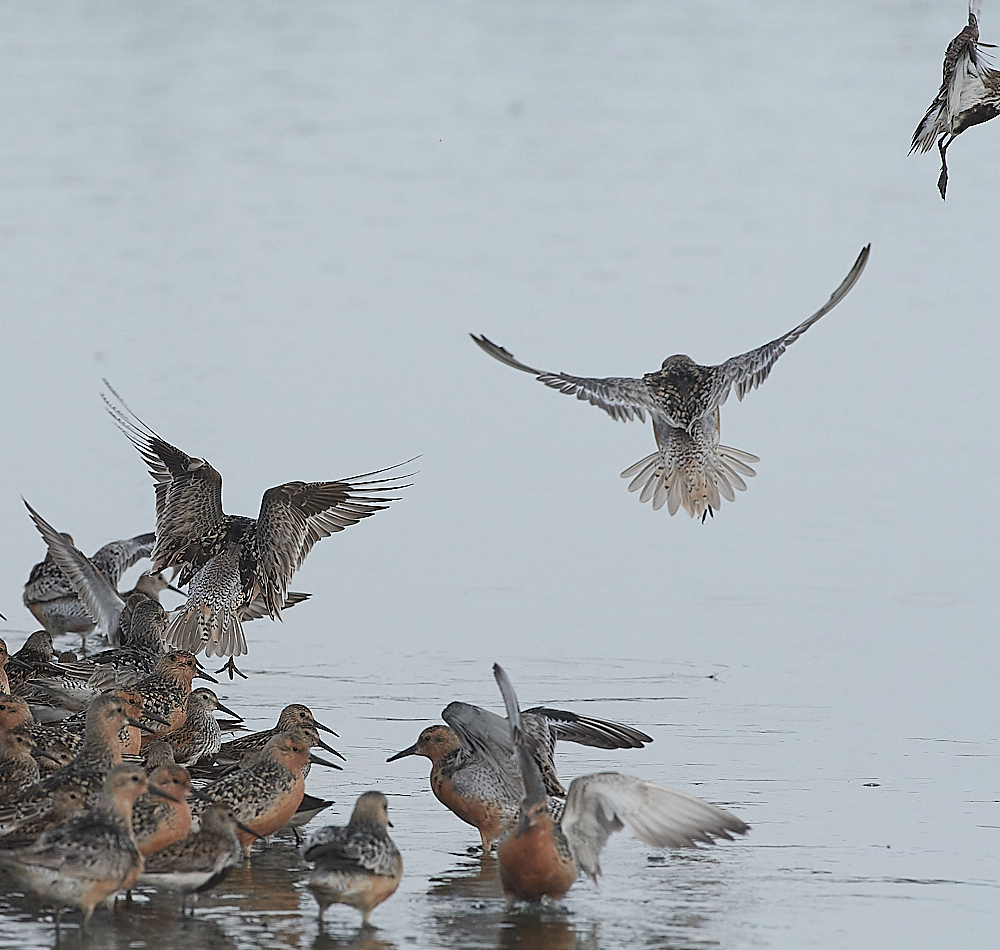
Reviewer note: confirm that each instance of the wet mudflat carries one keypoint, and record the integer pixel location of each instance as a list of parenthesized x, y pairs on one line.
[(272, 228)]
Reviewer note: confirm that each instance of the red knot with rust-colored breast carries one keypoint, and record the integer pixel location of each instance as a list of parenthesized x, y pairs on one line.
[(101, 752), (198, 862), (166, 692), (540, 856), (969, 95), (358, 863), (88, 857), (265, 794), (228, 560), (690, 469), (473, 772), (200, 737), (295, 714), (52, 592), (163, 815)]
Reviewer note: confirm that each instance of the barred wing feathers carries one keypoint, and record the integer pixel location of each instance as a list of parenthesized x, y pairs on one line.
[(115, 558), (188, 490), (621, 397), (294, 516), (748, 370)]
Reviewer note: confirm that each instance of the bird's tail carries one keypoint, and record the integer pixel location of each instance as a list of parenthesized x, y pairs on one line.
[(202, 624), (684, 475)]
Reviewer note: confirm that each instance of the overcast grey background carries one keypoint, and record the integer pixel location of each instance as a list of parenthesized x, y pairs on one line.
[(272, 225)]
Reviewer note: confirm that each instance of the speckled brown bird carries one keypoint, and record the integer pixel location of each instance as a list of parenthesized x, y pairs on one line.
[(4, 660), (18, 767), (31, 661), (162, 815), (198, 862), (87, 858), (540, 856), (357, 864), (969, 95), (166, 692), (100, 753), (690, 469), (295, 714), (266, 794), (200, 737), (63, 803), (229, 560)]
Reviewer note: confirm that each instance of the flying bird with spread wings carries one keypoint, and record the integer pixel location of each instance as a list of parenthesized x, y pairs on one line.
[(969, 95), (689, 469), (228, 561)]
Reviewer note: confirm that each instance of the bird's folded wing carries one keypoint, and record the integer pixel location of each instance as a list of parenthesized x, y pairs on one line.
[(188, 490), (599, 805), (621, 397), (99, 598), (748, 370), (116, 558)]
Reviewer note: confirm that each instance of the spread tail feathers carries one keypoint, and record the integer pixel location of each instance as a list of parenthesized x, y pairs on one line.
[(695, 482)]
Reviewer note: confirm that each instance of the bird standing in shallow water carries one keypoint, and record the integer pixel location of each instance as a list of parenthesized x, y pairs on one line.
[(90, 856), (969, 95), (356, 864), (473, 772), (228, 560), (540, 856), (51, 597), (199, 861), (690, 469)]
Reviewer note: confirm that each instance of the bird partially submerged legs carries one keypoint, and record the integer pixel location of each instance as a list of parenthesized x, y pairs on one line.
[(232, 668)]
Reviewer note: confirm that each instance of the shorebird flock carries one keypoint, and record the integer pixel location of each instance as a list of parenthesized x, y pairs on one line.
[(113, 769)]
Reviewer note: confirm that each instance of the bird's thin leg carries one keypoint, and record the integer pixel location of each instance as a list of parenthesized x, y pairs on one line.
[(942, 148), (231, 668)]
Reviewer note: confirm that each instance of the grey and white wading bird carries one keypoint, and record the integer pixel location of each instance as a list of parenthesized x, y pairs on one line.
[(51, 596), (540, 856), (228, 560), (969, 95), (690, 469), (358, 863)]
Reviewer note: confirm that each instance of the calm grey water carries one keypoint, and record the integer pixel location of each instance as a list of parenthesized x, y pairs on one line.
[(272, 225)]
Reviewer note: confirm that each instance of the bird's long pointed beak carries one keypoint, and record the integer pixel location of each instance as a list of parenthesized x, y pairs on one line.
[(228, 711), (176, 590), (316, 760), (412, 750), (204, 675), (323, 728), (159, 791), (136, 722), (39, 754), (249, 831), (330, 748)]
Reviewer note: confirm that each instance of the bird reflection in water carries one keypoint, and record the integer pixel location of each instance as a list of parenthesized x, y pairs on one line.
[(468, 909), (366, 938)]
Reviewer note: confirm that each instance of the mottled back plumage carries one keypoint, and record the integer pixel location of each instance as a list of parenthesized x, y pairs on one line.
[(231, 561)]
